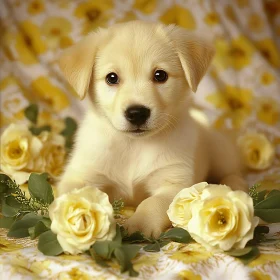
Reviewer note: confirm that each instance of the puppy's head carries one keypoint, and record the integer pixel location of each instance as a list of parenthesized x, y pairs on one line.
[(137, 74)]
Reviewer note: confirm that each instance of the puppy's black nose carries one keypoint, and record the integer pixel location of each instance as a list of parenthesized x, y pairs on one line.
[(137, 114)]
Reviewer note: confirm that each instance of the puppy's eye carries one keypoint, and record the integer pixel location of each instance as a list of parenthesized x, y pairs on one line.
[(112, 78), (160, 76)]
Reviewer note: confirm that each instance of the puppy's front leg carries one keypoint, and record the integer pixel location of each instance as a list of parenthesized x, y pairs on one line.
[(77, 178), (150, 216)]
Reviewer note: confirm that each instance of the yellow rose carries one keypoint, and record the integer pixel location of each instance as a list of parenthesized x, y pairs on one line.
[(221, 219), (20, 152), (53, 153), (179, 211), (258, 153), (80, 218)]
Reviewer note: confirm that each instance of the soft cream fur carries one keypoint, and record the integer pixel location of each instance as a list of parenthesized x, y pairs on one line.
[(146, 170)]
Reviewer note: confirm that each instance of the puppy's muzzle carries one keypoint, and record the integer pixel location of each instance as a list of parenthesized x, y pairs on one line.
[(137, 114)]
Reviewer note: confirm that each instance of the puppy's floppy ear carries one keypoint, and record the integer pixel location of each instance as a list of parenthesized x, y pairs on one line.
[(194, 53), (77, 63)]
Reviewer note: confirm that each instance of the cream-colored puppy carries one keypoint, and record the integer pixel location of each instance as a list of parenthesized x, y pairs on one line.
[(138, 141)]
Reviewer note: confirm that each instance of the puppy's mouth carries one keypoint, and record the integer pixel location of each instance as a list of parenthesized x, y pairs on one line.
[(137, 131)]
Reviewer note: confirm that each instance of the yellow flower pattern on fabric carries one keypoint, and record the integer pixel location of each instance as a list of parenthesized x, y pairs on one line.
[(33, 37), (229, 12), (56, 31), (267, 78), (242, 3), (212, 19), (235, 104), (129, 16), (49, 93), (260, 276), (74, 274), (240, 52), (186, 274), (145, 6), (191, 254), (268, 111), (255, 23), (36, 7), (237, 53), (6, 246), (179, 15), (94, 13), (28, 44), (269, 51)]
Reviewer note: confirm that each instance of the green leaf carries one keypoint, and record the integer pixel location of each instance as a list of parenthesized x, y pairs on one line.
[(6, 222), (132, 272), (11, 201), (155, 247), (271, 202), (273, 193), (5, 181), (31, 232), (261, 229), (269, 209), (177, 235), (130, 250), (31, 113), (20, 228), (48, 244), (118, 205), (164, 243), (253, 254), (70, 127), (10, 206), (99, 260), (124, 261), (239, 252), (69, 131), (135, 237), (8, 211), (40, 188), (260, 196), (105, 249), (37, 130), (102, 249), (41, 227), (259, 235), (268, 215)]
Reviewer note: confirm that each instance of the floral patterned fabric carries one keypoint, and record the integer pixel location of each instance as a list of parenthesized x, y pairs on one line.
[(240, 91)]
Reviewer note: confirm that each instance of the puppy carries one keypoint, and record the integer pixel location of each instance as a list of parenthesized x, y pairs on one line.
[(137, 141)]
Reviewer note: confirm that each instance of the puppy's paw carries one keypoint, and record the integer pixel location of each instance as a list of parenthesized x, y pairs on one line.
[(235, 182), (150, 226)]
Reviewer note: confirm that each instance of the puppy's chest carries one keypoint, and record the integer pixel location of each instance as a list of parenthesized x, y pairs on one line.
[(128, 166)]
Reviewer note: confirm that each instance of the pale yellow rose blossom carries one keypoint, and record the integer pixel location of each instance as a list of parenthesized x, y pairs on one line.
[(20, 151), (53, 153), (179, 211), (257, 151), (221, 219), (82, 217), (23, 153)]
